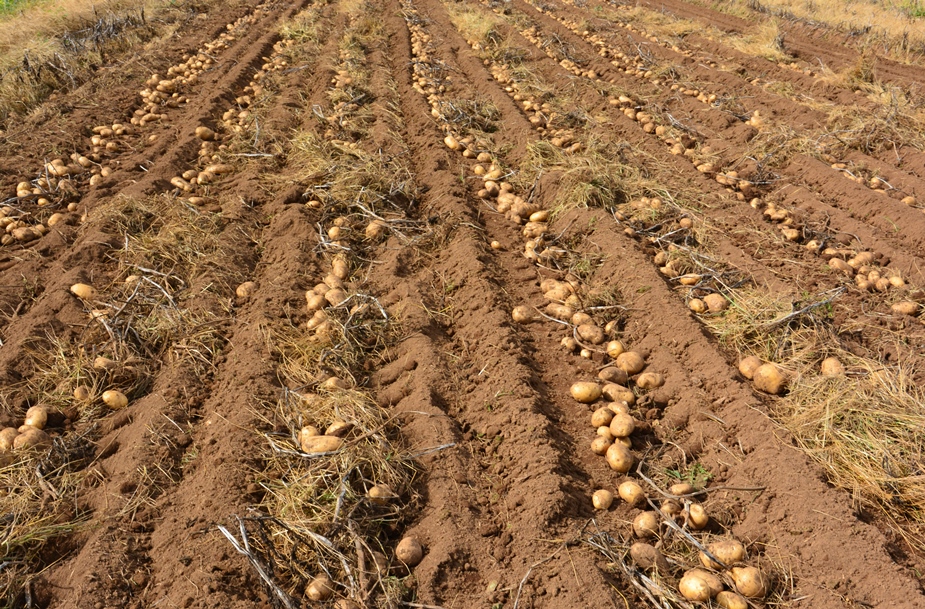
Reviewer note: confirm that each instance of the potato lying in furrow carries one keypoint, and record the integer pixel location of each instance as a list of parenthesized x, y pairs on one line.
[(766, 377), (613, 426)]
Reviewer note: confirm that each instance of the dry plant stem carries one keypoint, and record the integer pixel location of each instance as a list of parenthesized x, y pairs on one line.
[(243, 547), (648, 587), (530, 571), (836, 293)]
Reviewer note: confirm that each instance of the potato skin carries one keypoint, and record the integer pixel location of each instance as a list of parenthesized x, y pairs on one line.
[(769, 379), (619, 458)]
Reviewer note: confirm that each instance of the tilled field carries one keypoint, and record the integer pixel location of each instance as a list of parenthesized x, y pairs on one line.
[(359, 302)]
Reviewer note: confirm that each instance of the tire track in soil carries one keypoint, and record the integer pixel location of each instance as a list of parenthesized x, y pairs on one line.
[(168, 551), (753, 427)]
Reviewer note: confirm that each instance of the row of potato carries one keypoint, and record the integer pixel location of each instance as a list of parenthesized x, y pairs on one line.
[(860, 265), (614, 426), (742, 188), (327, 295), (60, 182)]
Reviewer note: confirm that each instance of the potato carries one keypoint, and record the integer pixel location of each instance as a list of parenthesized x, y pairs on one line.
[(604, 432), (83, 291), (314, 445), (712, 583), (31, 438), (648, 557), (81, 393), (601, 416), (7, 437), (219, 168), (205, 134), (104, 363), (586, 392), (681, 488), (569, 343), (559, 311), (837, 264), (832, 367), (381, 494), (523, 314), (615, 348), (619, 458), (694, 588), (600, 444), (591, 333), (650, 380), (602, 499), (409, 551), (630, 362), (749, 582), (559, 293), (697, 306), (731, 600), (581, 318), (320, 589), (115, 399), (314, 302), (672, 508), (622, 425), (180, 183), (646, 524), (37, 416), (246, 289), (612, 374), (335, 296), (618, 393), (452, 143), (631, 492), (338, 429), (376, 229), (716, 303), (748, 366), (729, 551), (769, 379), (906, 307), (697, 517)]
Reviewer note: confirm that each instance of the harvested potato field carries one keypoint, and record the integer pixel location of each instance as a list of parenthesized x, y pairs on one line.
[(453, 303)]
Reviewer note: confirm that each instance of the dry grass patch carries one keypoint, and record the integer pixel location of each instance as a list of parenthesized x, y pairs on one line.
[(49, 46), (134, 325), (595, 176), (863, 427), (321, 515), (894, 26), (39, 505)]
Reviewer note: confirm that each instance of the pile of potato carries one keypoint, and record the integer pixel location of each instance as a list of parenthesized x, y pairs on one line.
[(329, 293), (30, 434), (614, 426), (163, 93)]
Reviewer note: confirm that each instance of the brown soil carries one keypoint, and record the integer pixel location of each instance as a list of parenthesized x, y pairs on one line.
[(503, 507)]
